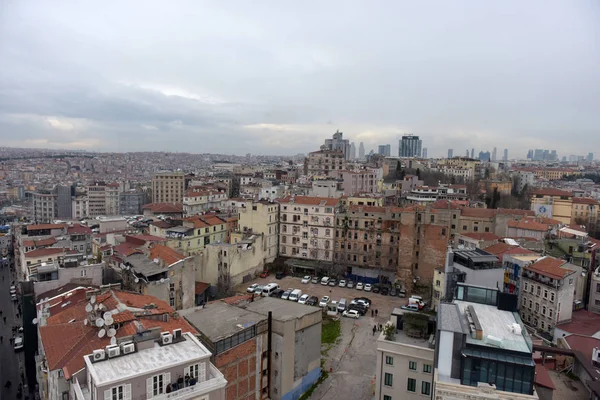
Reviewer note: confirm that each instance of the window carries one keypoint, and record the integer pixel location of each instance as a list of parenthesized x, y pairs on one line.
[(412, 365), (550, 313), (386, 397), (570, 281), (426, 388), (539, 290), (545, 293), (525, 286), (389, 360), (543, 310), (542, 324), (197, 371), (388, 379), (427, 368), (552, 297), (411, 385), (537, 307), (122, 392), (157, 384), (83, 272)]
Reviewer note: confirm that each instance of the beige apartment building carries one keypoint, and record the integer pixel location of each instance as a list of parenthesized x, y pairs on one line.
[(261, 217), (307, 227), (45, 209), (112, 191), (168, 187), (96, 195), (324, 163)]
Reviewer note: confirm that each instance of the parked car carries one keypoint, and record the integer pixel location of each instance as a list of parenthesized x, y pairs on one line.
[(277, 293), (312, 301), (13, 297), (264, 274), (411, 307), (315, 279), (359, 286), (324, 280), (350, 285), (286, 294), (18, 343), (368, 287), (13, 289), (332, 282), (362, 310), (351, 314), (362, 300), (280, 275), (342, 283), (303, 299), (385, 290), (374, 289), (393, 292), (402, 293), (324, 301), (306, 279)]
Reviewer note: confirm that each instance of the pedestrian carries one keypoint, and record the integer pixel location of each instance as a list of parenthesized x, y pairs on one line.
[(376, 312), (4, 319), (374, 329), (1, 339), (380, 327), (372, 313)]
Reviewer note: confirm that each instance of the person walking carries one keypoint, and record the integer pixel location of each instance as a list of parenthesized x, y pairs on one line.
[(1, 339), (374, 330), (372, 313), (376, 312)]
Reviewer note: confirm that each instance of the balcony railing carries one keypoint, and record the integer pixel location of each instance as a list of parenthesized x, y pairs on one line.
[(216, 381)]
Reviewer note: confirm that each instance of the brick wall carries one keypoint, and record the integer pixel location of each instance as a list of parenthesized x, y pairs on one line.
[(239, 367)]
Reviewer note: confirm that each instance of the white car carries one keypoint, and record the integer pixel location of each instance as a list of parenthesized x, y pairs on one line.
[(359, 286), (18, 343), (325, 280), (252, 288), (13, 297), (368, 287), (351, 314), (13, 290), (306, 279), (342, 283), (324, 301), (303, 299)]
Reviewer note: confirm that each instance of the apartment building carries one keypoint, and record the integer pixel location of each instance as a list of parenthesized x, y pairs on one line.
[(472, 267), (168, 187), (547, 294), (79, 207), (112, 191), (553, 203), (194, 233), (482, 349), (405, 359), (324, 163), (45, 209), (261, 217), (355, 182), (586, 211), (197, 200), (130, 203), (128, 356), (307, 227), (457, 163), (96, 195), (367, 241), (594, 295), (63, 201)]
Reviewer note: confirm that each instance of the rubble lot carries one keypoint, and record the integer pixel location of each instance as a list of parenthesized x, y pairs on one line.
[(353, 360)]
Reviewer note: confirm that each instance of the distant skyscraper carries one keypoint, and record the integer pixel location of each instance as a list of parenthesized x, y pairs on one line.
[(553, 155), (410, 146), (530, 154), (450, 153), (63, 201), (361, 151), (494, 154), (352, 151), (538, 154), (484, 156), (424, 152), (564, 159), (505, 158), (590, 157), (467, 153), (473, 153), (385, 150), (338, 143)]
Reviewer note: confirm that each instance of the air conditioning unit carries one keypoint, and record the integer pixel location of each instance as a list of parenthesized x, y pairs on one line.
[(166, 338), (98, 355), (128, 347), (113, 351), (176, 334)]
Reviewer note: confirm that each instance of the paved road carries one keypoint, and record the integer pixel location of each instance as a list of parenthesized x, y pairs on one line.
[(10, 362)]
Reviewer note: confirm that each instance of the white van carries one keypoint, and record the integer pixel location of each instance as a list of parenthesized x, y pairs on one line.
[(268, 289), (295, 295)]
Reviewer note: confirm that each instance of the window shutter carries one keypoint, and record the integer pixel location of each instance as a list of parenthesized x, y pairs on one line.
[(167, 378), (149, 386), (127, 392), (107, 395), (202, 373)]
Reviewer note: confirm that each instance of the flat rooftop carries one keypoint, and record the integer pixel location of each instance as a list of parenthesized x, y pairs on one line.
[(494, 323), (146, 361), (220, 320), (476, 255), (527, 258), (283, 310)]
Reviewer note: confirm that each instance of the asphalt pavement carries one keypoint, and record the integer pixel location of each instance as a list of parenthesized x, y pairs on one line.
[(11, 362)]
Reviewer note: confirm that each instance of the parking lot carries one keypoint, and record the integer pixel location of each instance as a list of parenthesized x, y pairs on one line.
[(352, 361)]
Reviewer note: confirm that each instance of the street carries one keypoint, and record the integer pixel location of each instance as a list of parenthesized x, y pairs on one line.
[(10, 361)]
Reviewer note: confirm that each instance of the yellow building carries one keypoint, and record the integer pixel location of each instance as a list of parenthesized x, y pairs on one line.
[(553, 203), (585, 211), (504, 187), (365, 199), (460, 162), (261, 217), (194, 234)]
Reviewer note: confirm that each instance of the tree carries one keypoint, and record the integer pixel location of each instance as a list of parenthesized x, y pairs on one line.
[(389, 331)]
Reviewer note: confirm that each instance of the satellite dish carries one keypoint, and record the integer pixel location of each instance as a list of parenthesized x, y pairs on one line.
[(99, 322), (113, 340), (136, 280), (85, 321), (88, 308), (95, 307), (106, 315), (93, 299), (34, 321), (101, 333), (109, 320), (162, 280), (101, 306), (112, 332)]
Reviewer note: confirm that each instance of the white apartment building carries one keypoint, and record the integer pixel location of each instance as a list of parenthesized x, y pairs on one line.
[(307, 227), (463, 173), (79, 207), (547, 293), (96, 195), (45, 208), (196, 200), (261, 217), (112, 192)]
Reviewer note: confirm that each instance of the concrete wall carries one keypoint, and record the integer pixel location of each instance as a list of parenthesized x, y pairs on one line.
[(241, 367), (88, 275), (594, 295), (484, 277)]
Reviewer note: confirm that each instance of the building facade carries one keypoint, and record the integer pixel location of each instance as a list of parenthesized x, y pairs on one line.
[(262, 217), (168, 187), (324, 163), (410, 146), (45, 209)]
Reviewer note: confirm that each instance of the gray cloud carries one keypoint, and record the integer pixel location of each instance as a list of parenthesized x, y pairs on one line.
[(277, 78)]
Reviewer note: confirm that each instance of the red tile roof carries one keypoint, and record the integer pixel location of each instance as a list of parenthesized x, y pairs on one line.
[(48, 251), (585, 200), (551, 267), (166, 254), (78, 229), (542, 377), (551, 192), (498, 248), (39, 243), (201, 287), (126, 249), (446, 204), (486, 236), (44, 226), (529, 224), (310, 201), (166, 208)]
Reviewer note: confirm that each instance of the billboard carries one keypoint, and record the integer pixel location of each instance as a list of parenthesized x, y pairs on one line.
[(543, 209)]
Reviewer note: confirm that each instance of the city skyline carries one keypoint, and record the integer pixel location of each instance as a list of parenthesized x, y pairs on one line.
[(102, 89)]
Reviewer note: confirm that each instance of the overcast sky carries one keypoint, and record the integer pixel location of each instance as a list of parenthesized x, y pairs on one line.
[(278, 77)]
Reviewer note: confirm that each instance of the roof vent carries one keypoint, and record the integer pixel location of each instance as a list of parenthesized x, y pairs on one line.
[(474, 325)]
